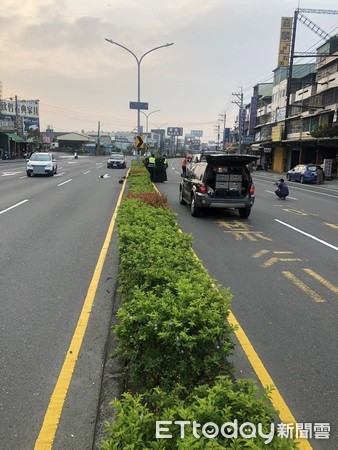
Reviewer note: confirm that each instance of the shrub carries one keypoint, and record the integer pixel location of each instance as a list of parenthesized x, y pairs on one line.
[(174, 337), (224, 401)]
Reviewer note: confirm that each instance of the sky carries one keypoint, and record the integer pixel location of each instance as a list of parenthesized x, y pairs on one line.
[(55, 51)]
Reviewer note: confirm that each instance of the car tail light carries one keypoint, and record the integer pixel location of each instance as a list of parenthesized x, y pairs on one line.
[(202, 189), (307, 172), (252, 190)]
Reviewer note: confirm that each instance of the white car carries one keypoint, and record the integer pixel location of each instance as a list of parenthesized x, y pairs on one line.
[(41, 163)]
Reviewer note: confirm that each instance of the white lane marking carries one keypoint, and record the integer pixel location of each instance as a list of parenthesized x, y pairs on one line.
[(293, 198), (8, 174), (25, 176), (315, 192), (85, 173), (308, 235), (14, 206), (59, 174), (61, 184)]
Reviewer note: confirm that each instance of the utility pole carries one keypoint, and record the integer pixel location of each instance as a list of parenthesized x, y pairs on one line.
[(239, 103), (216, 130), (98, 139), (223, 117)]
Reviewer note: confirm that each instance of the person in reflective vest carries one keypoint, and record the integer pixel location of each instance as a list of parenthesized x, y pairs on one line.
[(151, 166)]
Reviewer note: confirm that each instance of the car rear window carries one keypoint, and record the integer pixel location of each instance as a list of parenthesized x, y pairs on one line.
[(312, 168)]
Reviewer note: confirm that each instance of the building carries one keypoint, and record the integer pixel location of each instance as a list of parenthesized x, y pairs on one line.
[(303, 129)]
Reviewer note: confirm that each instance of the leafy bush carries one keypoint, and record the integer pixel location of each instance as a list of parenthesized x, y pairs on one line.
[(225, 401), (174, 337), (324, 131), (172, 324)]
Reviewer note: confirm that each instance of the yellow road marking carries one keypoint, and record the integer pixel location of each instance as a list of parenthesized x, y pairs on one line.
[(272, 261), (332, 225), (260, 253), (251, 235), (54, 410), (276, 399), (313, 294), (295, 211), (322, 280)]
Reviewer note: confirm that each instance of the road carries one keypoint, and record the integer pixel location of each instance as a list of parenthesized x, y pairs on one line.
[(52, 231), (281, 267)]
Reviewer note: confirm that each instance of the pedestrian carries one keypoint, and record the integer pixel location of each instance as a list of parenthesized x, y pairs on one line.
[(283, 191), (320, 175), (184, 166)]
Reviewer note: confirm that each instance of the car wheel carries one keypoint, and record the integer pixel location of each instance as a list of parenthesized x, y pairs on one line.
[(28, 174), (244, 212), (51, 174), (181, 199), (195, 212), (55, 171), (288, 177), (301, 179)]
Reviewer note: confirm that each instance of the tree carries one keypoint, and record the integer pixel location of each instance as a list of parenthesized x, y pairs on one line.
[(35, 137)]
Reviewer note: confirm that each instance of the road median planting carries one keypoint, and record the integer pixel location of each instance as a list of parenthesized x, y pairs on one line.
[(175, 342)]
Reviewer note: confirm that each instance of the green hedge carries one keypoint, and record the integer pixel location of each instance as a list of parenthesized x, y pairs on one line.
[(173, 336), (223, 403)]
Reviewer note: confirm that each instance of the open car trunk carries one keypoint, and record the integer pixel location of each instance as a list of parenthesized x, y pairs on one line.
[(228, 181)]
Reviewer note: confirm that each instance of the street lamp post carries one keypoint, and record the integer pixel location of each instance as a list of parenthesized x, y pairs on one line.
[(138, 61), (147, 116)]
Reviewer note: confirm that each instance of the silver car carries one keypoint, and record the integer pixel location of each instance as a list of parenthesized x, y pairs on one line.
[(41, 163)]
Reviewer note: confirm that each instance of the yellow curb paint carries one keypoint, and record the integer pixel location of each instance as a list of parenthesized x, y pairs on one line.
[(277, 400), (311, 293), (52, 416)]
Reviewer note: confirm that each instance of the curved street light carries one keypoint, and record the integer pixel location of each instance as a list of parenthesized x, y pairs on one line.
[(138, 60), (147, 116)]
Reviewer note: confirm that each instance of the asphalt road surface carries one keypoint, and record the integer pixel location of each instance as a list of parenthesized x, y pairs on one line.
[(281, 267), (52, 231)]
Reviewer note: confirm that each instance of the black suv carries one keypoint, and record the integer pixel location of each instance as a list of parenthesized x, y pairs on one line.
[(221, 181)]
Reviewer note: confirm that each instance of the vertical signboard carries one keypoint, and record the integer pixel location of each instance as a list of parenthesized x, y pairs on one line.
[(253, 114), (285, 42)]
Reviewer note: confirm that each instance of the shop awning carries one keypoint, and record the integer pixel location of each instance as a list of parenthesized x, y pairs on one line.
[(15, 137)]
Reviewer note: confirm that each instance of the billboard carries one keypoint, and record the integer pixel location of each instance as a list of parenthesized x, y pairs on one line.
[(174, 131), (197, 133), (285, 42), (27, 112)]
